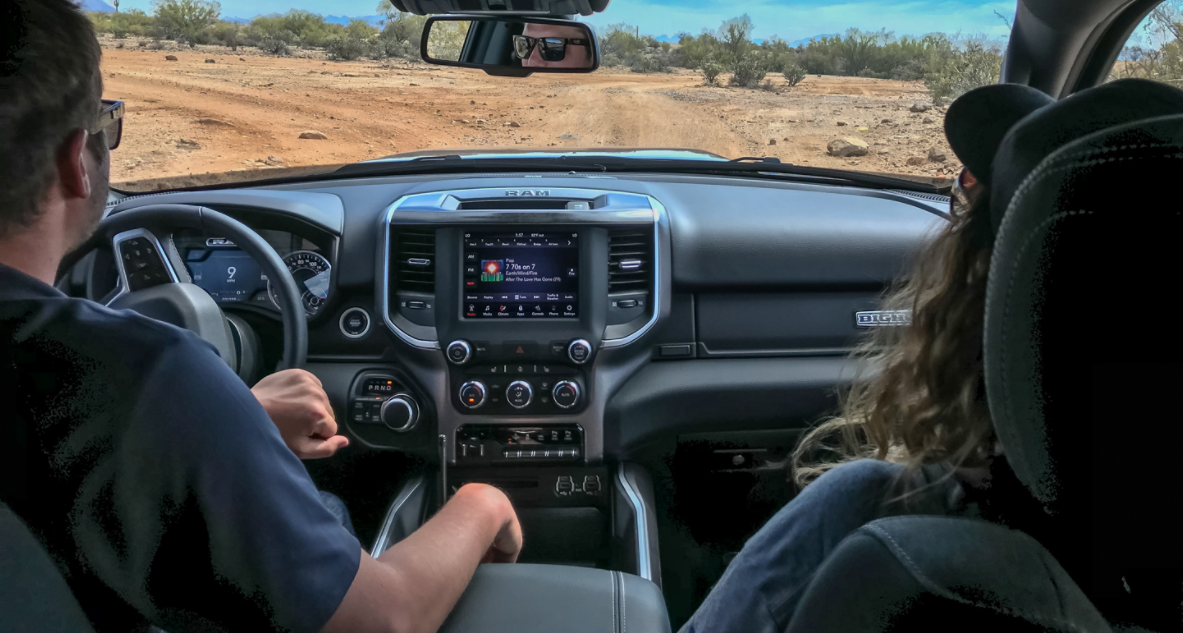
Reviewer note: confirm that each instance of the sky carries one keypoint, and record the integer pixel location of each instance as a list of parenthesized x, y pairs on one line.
[(788, 19)]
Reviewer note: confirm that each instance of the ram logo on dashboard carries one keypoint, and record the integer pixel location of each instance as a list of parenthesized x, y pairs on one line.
[(879, 318), (527, 192)]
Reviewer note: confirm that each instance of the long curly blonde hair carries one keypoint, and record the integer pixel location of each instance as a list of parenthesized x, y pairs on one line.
[(918, 396)]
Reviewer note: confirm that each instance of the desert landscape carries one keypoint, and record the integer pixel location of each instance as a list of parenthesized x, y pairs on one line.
[(243, 114)]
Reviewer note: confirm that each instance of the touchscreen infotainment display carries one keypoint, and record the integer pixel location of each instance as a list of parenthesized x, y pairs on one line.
[(521, 276)]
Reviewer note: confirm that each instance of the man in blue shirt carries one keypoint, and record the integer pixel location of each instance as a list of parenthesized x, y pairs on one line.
[(166, 491)]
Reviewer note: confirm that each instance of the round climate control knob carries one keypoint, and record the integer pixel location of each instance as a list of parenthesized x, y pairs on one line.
[(459, 351), (519, 394), (400, 413), (579, 351), (473, 394), (566, 394)]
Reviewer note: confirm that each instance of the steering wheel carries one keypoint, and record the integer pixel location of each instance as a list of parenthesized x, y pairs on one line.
[(155, 282)]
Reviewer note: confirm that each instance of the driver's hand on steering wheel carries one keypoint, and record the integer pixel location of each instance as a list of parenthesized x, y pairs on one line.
[(299, 407)]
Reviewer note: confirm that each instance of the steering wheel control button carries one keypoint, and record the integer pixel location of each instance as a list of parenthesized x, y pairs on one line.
[(519, 394), (400, 413), (473, 394), (355, 323), (459, 352), (579, 351), (566, 394)]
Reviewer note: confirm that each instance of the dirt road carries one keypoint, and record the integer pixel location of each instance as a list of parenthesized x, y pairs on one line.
[(246, 111)]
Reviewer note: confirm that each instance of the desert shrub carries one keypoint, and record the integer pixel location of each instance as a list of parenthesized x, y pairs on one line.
[(401, 35), (748, 71), (767, 86), (347, 47), (225, 33), (911, 70), (793, 74), (185, 19), (650, 64), (711, 70), (963, 70), (278, 43), (131, 22), (447, 39)]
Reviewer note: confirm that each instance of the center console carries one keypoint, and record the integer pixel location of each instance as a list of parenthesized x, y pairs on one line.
[(521, 293), (521, 312)]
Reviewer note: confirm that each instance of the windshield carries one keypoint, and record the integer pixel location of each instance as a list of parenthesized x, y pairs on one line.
[(259, 88)]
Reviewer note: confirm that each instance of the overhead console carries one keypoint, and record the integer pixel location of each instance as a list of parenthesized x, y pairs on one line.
[(520, 291)]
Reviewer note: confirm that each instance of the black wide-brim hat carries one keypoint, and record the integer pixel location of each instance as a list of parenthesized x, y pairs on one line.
[(1047, 129)]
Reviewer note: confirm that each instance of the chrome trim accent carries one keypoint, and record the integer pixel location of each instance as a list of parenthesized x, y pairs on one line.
[(529, 391), (412, 412), (284, 259), (341, 322), (571, 355), (467, 351), (442, 207), (418, 261), (659, 218), (125, 236), (380, 542), (634, 498), (560, 383), (882, 318), (630, 264), (479, 385)]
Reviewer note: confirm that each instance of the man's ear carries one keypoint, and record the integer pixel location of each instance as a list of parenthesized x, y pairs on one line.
[(73, 171)]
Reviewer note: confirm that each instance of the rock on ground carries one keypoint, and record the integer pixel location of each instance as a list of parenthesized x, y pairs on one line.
[(847, 147), (916, 160), (211, 61), (920, 106), (171, 58), (936, 156), (314, 135)]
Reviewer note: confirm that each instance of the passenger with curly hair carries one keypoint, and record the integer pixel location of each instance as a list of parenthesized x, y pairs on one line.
[(915, 434)]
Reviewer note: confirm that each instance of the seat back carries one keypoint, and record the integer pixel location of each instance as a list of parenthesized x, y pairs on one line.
[(33, 594), (912, 573)]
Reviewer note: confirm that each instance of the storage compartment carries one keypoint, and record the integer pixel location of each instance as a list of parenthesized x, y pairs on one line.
[(767, 324), (525, 598)]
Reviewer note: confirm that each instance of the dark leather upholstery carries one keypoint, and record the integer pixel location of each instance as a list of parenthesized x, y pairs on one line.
[(925, 570), (526, 598), (33, 594)]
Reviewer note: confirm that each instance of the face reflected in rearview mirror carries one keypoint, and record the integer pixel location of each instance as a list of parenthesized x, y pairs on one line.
[(504, 46)]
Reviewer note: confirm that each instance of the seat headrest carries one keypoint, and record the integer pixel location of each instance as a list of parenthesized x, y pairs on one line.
[(1081, 355)]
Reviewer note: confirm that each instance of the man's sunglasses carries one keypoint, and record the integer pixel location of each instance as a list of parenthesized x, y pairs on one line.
[(109, 123), (551, 49)]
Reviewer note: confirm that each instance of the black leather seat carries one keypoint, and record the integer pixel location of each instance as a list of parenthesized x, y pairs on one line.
[(1083, 364)]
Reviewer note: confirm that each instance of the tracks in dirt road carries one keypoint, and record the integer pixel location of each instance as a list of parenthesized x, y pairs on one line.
[(190, 117)]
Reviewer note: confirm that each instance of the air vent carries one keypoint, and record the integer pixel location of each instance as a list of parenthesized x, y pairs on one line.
[(630, 260), (414, 259)]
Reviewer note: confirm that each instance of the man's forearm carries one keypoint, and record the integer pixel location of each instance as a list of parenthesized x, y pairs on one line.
[(411, 587)]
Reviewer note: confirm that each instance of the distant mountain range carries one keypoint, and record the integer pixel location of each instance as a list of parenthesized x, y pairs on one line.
[(372, 20), (95, 5), (810, 39), (674, 39)]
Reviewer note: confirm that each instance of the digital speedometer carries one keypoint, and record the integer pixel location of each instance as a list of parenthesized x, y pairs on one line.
[(311, 272)]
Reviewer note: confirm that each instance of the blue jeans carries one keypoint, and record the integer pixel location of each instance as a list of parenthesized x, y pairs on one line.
[(337, 507), (763, 584)]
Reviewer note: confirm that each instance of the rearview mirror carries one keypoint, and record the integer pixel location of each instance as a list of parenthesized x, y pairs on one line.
[(510, 46)]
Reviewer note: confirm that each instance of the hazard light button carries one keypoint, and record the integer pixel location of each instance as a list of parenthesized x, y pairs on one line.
[(515, 350)]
